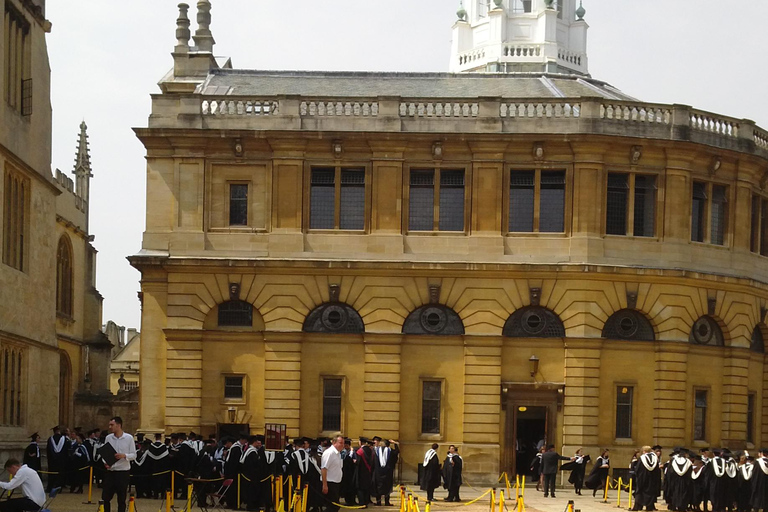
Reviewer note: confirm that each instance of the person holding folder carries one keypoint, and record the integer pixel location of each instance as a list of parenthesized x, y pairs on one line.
[(117, 453)]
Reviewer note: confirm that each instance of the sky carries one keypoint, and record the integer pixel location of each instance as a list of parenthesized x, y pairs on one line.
[(107, 56)]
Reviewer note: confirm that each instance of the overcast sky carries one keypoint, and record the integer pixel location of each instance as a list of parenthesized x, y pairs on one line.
[(107, 57)]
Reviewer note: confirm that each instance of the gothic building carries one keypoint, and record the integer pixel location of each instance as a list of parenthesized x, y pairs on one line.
[(51, 348), (511, 252)]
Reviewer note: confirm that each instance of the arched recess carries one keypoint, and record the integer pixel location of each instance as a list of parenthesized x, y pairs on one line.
[(64, 276), (334, 317), (234, 315), (533, 322), (757, 344), (65, 384), (628, 324), (434, 319), (706, 331)]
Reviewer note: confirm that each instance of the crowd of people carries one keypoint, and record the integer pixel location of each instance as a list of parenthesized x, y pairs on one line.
[(712, 479)]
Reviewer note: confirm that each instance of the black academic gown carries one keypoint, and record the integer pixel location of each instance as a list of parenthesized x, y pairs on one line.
[(760, 484), (315, 482), (578, 469), (268, 462), (647, 481), (364, 474), (678, 486), (384, 474), (431, 480), (57, 450), (718, 484), (744, 486), (596, 478), (32, 457), (699, 485), (452, 468), (250, 464), (160, 465), (231, 469), (348, 469)]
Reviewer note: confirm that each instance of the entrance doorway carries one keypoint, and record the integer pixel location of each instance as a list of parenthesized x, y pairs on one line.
[(531, 434)]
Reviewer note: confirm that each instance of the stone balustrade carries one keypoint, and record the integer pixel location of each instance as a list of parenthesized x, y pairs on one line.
[(551, 115)]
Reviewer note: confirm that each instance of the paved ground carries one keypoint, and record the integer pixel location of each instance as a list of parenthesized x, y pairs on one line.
[(534, 502)]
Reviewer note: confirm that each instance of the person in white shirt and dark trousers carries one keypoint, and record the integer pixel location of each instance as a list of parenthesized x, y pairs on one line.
[(30, 484), (331, 469), (117, 476)]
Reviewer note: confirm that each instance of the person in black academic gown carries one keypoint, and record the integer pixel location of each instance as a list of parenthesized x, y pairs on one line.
[(232, 468), (599, 473), (578, 468), (364, 473), (452, 468), (57, 450), (678, 486), (744, 482), (718, 482), (250, 462), (699, 492), (431, 478), (760, 481), (32, 453), (384, 463), (536, 469), (647, 474), (314, 478), (348, 468)]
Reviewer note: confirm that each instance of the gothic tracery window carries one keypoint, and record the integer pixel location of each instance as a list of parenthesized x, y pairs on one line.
[(64, 277)]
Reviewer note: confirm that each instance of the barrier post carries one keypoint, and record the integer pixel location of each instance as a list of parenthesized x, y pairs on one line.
[(189, 498), (570, 505), (428, 508), (101, 506), (618, 494), (501, 501), (132, 503), (517, 486), (90, 486), (416, 504), (607, 484), (290, 492), (168, 495), (173, 486), (304, 498), (630, 493), (522, 491), (493, 500)]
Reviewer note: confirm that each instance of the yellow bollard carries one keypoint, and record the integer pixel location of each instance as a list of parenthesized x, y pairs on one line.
[(501, 501), (416, 504), (132, 504), (607, 484), (290, 492), (173, 486), (410, 502), (570, 505), (522, 491), (90, 485), (189, 498), (517, 486), (493, 500), (618, 498), (237, 505), (630, 494), (428, 507), (101, 506), (168, 496), (304, 498)]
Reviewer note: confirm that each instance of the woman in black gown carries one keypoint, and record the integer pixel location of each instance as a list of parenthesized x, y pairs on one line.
[(596, 478)]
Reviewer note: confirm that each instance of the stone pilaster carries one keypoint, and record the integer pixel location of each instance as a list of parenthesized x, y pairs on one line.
[(482, 404), (282, 384), (670, 393), (382, 390), (735, 391), (152, 401), (582, 385), (184, 384)]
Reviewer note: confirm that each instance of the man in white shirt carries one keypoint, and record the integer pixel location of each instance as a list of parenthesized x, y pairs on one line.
[(331, 469), (31, 486), (118, 476)]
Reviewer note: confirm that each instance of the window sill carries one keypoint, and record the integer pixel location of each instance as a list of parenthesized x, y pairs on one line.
[(624, 441), (436, 233), (431, 437), (700, 444), (633, 237), (237, 229), (232, 401), (723, 247), (537, 234), (336, 232)]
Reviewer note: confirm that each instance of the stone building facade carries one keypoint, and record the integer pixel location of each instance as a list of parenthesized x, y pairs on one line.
[(50, 312), (483, 259)]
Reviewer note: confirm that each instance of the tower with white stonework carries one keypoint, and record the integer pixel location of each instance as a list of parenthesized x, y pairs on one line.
[(520, 36)]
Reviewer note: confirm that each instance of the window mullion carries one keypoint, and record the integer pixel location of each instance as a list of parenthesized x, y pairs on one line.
[(337, 198), (708, 216), (536, 200), (631, 206), (436, 204)]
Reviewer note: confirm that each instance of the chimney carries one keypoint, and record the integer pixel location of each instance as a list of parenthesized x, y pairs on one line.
[(203, 38), (182, 30)]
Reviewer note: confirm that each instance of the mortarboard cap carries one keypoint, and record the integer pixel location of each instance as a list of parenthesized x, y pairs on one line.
[(376, 439), (34, 436), (260, 438)]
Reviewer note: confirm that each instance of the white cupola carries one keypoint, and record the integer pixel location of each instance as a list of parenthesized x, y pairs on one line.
[(520, 36)]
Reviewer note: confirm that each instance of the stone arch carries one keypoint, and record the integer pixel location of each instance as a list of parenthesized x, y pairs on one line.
[(234, 315), (628, 324), (707, 331), (64, 276), (333, 317), (757, 343), (534, 322), (434, 319)]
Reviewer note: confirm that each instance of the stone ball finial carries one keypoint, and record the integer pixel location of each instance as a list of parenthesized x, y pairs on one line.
[(461, 13), (581, 11)]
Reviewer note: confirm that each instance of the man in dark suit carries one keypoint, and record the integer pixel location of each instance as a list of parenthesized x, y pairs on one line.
[(549, 462)]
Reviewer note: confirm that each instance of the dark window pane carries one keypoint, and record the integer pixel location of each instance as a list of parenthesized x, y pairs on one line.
[(238, 205), (719, 214), (624, 412), (422, 201), (616, 206), (764, 227), (698, 211), (332, 404), (754, 231), (552, 206), (322, 199), (352, 215), (451, 201), (235, 313), (430, 407), (645, 205), (521, 198), (751, 418), (700, 416), (233, 388)]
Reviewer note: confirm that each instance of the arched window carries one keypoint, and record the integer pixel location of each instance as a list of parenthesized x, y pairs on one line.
[(64, 277), (628, 324), (235, 313), (706, 331), (433, 319), (334, 317), (533, 322), (757, 344)]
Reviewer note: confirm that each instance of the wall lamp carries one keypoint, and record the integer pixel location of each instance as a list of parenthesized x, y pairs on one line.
[(231, 411), (533, 363)]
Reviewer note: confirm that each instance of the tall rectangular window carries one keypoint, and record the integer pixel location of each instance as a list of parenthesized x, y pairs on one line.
[(698, 211), (617, 204), (337, 198), (624, 396), (631, 205), (536, 201), (18, 86), (12, 377), (238, 204), (758, 242), (719, 214), (332, 388), (444, 204), (15, 218), (751, 397), (645, 205), (233, 387), (431, 396), (700, 415)]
